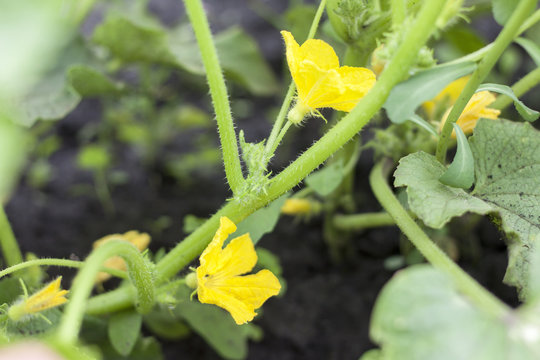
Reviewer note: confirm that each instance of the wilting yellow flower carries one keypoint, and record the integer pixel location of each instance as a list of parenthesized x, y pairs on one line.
[(48, 297), (319, 79), (140, 240), (476, 108), (218, 276), (447, 97)]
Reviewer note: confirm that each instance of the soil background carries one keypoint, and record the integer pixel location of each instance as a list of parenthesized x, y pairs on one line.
[(326, 309)]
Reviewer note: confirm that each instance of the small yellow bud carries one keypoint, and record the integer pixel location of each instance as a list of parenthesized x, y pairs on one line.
[(296, 207), (48, 297)]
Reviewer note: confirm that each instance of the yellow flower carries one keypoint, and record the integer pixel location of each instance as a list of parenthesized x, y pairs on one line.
[(48, 297), (446, 98), (319, 79), (295, 206), (218, 276), (140, 240), (476, 108)]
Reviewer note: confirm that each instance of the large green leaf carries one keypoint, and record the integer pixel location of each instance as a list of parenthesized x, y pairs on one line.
[(135, 41), (434, 202), (78, 74), (422, 86), (420, 315), (507, 156), (507, 169)]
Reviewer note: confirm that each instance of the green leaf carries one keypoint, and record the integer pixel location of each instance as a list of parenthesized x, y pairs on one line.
[(327, 179), (214, 325), (420, 314), (526, 112), (434, 202), (262, 221), (460, 173), (89, 82), (93, 157), (507, 168), (422, 86), (134, 41), (423, 124), (124, 329), (502, 9), (508, 177), (531, 47), (244, 63), (61, 90)]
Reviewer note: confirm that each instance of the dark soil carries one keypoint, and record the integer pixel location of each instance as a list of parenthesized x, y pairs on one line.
[(325, 311)]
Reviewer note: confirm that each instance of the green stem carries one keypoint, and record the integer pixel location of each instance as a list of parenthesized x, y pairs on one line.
[(184, 252), (103, 193), (139, 274), (509, 32), (466, 284), (218, 91), (8, 243), (398, 12), (274, 138), (58, 262), (521, 87), (362, 221)]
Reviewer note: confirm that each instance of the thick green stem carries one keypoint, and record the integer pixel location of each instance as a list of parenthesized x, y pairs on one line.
[(399, 12), (58, 262), (363, 221), (218, 91), (466, 284), (521, 87), (10, 248), (341, 133), (509, 32), (276, 135), (139, 272)]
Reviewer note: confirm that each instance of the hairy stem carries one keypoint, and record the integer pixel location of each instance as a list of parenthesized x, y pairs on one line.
[(218, 91), (466, 284), (58, 262), (139, 274), (509, 32)]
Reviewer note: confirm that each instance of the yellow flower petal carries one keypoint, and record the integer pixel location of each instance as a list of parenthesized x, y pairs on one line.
[(241, 295), (210, 257), (48, 297), (476, 108), (218, 276), (342, 88), (320, 81)]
